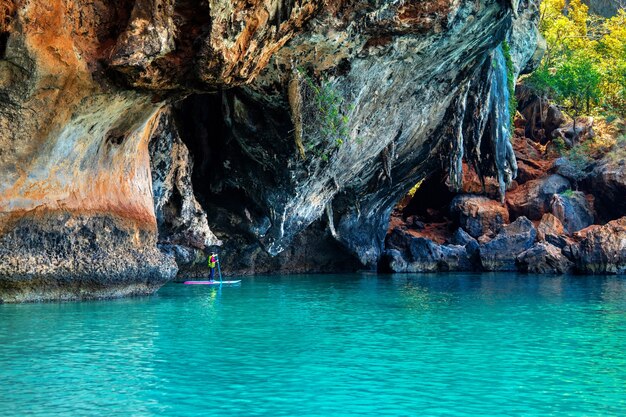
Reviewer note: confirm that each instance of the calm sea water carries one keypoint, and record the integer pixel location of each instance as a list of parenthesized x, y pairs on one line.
[(427, 345)]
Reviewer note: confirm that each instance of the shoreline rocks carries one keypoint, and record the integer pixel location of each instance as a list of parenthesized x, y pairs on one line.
[(68, 256)]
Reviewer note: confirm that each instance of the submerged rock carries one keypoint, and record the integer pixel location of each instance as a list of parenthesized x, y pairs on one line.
[(500, 253)]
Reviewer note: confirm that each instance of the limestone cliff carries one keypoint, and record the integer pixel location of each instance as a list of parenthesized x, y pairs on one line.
[(305, 120)]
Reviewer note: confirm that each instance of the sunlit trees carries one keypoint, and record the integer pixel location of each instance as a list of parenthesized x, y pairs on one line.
[(584, 69)]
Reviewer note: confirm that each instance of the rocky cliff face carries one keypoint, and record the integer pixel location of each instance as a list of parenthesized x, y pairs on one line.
[(293, 121)]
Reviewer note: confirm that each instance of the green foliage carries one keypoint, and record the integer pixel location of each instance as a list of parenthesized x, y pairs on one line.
[(510, 72), (326, 121), (585, 53), (574, 84)]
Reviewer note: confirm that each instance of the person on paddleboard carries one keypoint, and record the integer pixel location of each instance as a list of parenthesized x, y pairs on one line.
[(212, 262)]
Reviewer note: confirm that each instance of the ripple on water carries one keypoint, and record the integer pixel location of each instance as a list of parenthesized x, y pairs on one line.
[(457, 344)]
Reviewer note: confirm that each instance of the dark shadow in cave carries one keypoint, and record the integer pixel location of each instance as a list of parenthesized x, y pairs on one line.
[(239, 165), (431, 201), (4, 40)]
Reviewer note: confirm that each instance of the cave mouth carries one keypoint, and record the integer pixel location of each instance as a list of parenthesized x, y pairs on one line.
[(223, 133), (425, 210), (4, 43)]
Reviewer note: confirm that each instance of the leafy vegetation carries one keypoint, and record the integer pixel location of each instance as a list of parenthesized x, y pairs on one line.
[(584, 69), (325, 120)]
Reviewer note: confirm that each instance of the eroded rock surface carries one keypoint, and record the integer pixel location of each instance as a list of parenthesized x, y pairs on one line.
[(544, 258), (478, 215), (500, 253), (602, 249), (83, 84)]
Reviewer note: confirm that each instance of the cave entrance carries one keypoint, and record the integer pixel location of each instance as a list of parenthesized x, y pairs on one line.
[(424, 211), (233, 141), (4, 42)]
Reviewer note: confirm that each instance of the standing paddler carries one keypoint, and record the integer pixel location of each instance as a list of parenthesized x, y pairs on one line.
[(212, 262)]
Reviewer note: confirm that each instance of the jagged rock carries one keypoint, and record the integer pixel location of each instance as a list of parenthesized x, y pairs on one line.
[(573, 210), (531, 164), (532, 199), (554, 120), (602, 249), (407, 253), (608, 186), (500, 253), (551, 230), (462, 238), (180, 218), (82, 84), (544, 258), (478, 215)]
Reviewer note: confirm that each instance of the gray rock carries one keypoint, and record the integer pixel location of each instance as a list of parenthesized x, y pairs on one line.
[(573, 210), (462, 238), (407, 253), (608, 185), (602, 249), (500, 253), (554, 120), (532, 199), (544, 258)]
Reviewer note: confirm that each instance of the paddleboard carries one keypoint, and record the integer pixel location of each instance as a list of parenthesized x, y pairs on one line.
[(211, 282)]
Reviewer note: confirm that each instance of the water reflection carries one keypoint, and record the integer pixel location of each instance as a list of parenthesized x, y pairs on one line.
[(446, 344)]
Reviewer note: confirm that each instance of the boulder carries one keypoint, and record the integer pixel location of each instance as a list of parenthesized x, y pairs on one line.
[(478, 215), (551, 230), (500, 253), (462, 238), (602, 249), (392, 261), (544, 258), (532, 199), (608, 186), (406, 253), (573, 209), (428, 256), (554, 120), (575, 172)]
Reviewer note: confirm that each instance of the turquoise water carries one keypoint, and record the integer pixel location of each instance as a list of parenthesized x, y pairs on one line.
[(428, 345)]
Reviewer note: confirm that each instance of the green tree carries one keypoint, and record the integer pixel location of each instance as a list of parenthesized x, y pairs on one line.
[(574, 83)]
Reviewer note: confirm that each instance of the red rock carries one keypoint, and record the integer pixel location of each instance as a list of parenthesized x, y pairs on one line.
[(478, 215), (532, 199)]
